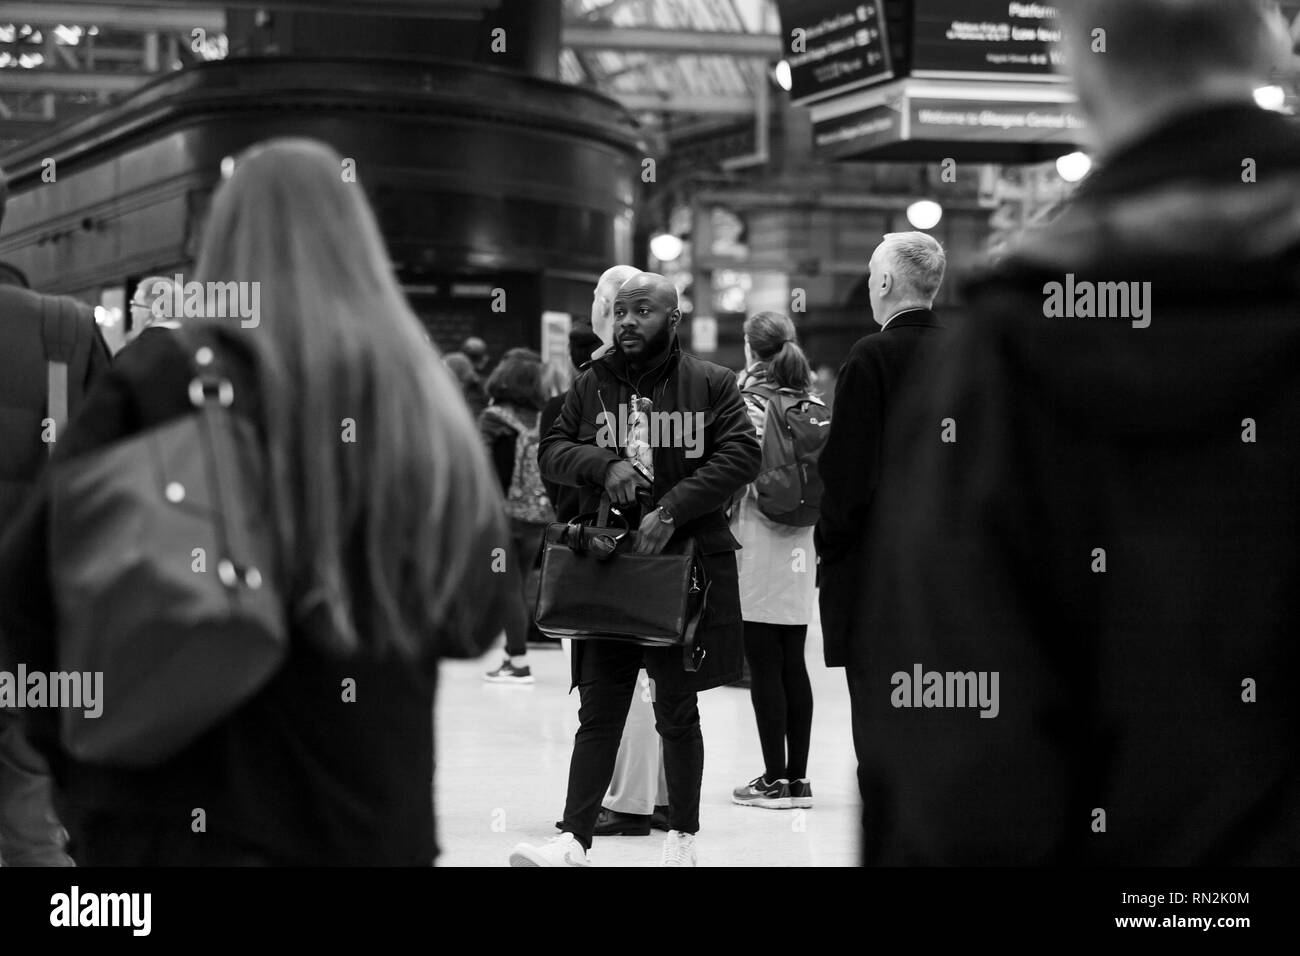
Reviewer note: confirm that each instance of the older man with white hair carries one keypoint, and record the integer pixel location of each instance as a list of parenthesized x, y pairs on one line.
[(152, 306), (906, 271), (602, 300)]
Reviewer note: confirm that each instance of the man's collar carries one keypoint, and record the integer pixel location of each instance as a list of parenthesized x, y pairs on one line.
[(917, 316)]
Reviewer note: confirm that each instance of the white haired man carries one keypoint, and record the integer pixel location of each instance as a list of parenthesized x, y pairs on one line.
[(906, 271), (152, 306)]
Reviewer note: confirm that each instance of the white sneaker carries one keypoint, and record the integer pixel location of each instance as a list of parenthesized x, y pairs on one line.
[(563, 850), (679, 849)]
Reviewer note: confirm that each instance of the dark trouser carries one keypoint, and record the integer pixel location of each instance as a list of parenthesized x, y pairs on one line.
[(606, 684), (520, 627), (782, 697), (30, 834)]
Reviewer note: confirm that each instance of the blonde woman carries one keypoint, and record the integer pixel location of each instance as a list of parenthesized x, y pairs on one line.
[(386, 536)]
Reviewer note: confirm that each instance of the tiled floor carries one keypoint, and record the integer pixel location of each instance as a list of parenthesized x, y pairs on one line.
[(503, 760)]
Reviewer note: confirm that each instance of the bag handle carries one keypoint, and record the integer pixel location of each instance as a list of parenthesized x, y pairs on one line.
[(601, 516), (600, 539)]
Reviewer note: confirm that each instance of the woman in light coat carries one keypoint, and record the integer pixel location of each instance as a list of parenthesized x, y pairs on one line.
[(777, 586)]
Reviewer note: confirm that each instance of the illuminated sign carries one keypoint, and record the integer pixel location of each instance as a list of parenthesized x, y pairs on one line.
[(994, 38), (834, 46)]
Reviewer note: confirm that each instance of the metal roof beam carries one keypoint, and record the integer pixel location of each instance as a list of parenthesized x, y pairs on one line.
[(29, 81), (118, 16), (683, 103), (182, 16), (650, 40)]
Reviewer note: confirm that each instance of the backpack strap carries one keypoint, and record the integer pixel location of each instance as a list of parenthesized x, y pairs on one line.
[(59, 328)]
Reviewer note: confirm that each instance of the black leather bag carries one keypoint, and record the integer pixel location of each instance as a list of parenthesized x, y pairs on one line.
[(593, 587), (163, 567)]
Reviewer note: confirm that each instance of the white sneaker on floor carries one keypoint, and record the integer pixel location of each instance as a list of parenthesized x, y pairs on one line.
[(508, 673), (563, 850), (679, 849)]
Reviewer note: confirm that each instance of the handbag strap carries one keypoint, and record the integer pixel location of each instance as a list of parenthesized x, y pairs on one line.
[(693, 656), (212, 394), (688, 636)]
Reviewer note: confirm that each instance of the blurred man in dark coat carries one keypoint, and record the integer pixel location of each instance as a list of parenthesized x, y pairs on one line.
[(35, 329), (1083, 614), (690, 488)]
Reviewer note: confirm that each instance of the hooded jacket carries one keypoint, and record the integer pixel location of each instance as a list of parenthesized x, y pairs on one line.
[(1114, 534)]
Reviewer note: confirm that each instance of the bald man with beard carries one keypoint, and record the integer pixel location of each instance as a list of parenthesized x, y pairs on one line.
[(668, 494)]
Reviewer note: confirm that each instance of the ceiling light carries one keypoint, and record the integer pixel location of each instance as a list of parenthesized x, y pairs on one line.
[(1271, 98), (924, 214), (1074, 166), (782, 75), (666, 247)]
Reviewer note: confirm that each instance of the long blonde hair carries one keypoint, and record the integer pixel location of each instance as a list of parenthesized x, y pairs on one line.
[(402, 519)]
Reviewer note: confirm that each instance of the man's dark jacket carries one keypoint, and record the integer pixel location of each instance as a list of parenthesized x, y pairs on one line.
[(1160, 687), (23, 385), (25, 811), (851, 461), (694, 490)]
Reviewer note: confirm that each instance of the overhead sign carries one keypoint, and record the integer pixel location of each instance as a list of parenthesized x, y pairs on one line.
[(704, 334), (555, 336), (929, 121), (834, 46), (991, 38), (1007, 121), (858, 132)]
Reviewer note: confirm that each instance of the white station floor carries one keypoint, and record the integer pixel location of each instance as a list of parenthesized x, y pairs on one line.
[(503, 763)]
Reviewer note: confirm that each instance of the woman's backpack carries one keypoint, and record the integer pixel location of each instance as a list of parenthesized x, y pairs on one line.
[(526, 498), (789, 486)]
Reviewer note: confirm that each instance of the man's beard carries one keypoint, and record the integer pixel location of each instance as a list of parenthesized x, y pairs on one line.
[(653, 349)]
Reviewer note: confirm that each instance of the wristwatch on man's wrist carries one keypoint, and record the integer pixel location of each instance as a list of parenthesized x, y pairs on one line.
[(665, 515)]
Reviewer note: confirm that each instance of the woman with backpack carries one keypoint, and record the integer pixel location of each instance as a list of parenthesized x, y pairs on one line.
[(778, 566), (369, 485), (510, 427)]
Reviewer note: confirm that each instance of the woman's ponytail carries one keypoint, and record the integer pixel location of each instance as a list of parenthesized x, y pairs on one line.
[(771, 336)]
